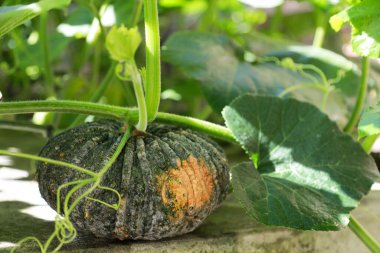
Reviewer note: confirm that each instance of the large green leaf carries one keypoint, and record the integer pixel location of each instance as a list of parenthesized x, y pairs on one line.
[(309, 174), (365, 21), (212, 60), (13, 16)]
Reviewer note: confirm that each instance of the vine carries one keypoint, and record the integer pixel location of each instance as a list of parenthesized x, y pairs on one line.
[(121, 113), (48, 72), (355, 116), (324, 85), (153, 58)]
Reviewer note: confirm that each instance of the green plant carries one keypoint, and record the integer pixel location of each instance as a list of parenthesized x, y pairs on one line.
[(292, 145)]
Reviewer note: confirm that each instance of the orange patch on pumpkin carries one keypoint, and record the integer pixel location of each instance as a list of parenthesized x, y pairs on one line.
[(187, 187)]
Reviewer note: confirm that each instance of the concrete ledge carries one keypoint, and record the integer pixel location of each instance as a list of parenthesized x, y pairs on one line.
[(230, 230)]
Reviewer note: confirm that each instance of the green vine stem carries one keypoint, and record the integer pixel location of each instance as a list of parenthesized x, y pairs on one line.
[(96, 61), (276, 21), (363, 235), (68, 106), (205, 127), (130, 68), (47, 160), (48, 72), (153, 58), (137, 12), (45, 131), (320, 31), (98, 93), (361, 96), (368, 143), (123, 113), (140, 96), (209, 17)]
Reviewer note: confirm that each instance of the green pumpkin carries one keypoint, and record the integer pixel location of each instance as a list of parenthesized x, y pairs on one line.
[(170, 179)]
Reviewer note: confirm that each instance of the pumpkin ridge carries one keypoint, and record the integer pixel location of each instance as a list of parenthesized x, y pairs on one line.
[(205, 157), (120, 230), (100, 212), (201, 156), (214, 157), (204, 178), (168, 151), (191, 200), (184, 164), (149, 204)]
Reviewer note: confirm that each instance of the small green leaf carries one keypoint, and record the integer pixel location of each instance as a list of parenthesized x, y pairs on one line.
[(122, 43), (370, 122), (309, 174), (13, 16), (365, 21), (337, 21)]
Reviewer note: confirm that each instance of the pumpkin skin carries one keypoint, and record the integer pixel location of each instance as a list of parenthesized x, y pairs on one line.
[(170, 179)]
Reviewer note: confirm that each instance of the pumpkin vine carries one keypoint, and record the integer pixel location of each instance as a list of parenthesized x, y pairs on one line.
[(153, 59)]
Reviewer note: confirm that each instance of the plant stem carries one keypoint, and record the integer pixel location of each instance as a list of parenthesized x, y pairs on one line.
[(209, 16), (320, 31), (304, 86), (368, 143), (363, 235), (206, 127), (153, 58), (97, 14), (103, 86), (26, 127), (68, 106), (276, 21), (98, 93), (361, 96), (137, 12), (131, 68), (129, 114), (47, 160), (96, 62), (48, 72), (139, 91)]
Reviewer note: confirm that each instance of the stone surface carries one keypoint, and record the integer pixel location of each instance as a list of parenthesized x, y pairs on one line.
[(228, 229)]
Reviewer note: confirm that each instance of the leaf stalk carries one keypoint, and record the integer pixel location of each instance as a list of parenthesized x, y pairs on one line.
[(153, 58), (354, 119)]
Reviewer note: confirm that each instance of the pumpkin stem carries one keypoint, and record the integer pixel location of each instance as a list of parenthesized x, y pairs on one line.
[(153, 58), (140, 96)]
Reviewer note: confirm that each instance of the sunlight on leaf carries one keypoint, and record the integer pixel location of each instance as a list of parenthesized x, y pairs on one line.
[(365, 21), (13, 16)]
